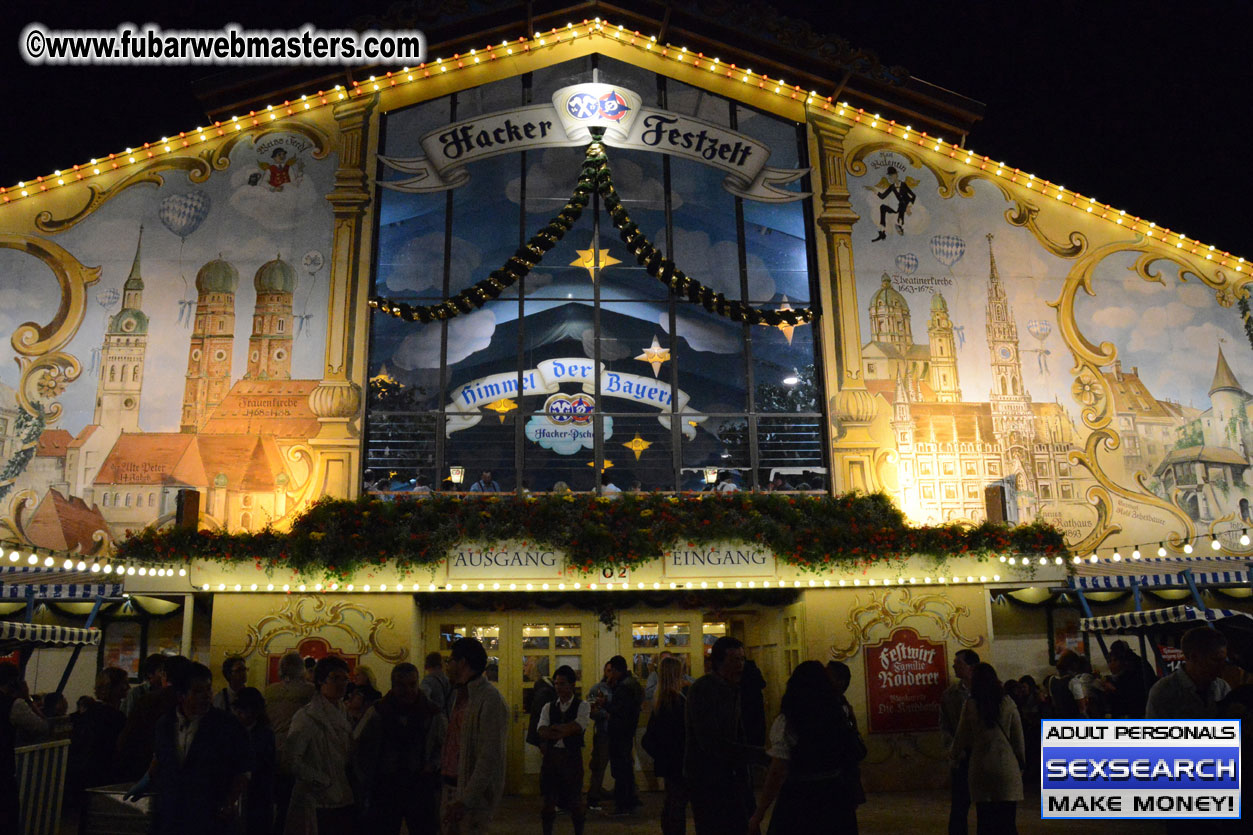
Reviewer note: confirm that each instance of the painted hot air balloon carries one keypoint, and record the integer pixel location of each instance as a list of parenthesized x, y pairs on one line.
[(947, 249), (108, 298), (907, 262), (182, 214), (1040, 329)]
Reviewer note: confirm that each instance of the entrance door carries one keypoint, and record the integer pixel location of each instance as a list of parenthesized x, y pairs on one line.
[(522, 649)]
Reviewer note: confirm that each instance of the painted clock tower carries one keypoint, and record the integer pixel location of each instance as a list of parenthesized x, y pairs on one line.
[(1011, 402)]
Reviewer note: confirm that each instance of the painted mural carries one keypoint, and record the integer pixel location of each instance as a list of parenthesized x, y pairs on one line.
[(1117, 414), (191, 336)]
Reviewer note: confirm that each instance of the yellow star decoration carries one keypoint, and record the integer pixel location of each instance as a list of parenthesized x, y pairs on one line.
[(608, 464), (655, 356), (784, 326), (587, 260), (637, 445), (501, 407)]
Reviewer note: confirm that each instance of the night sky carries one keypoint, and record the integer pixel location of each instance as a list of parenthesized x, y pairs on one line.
[(1141, 105)]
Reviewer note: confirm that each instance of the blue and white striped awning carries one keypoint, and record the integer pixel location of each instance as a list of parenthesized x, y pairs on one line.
[(1122, 582), (1155, 617), (61, 591), (41, 634)]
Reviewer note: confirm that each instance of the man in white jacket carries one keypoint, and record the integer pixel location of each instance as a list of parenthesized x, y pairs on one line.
[(472, 767)]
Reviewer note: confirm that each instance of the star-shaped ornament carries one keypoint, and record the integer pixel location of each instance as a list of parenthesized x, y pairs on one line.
[(637, 445), (784, 326), (655, 355), (502, 407), (588, 261), (607, 465)]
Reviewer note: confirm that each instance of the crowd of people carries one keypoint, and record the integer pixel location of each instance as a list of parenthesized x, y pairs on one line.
[(323, 750), (993, 728)]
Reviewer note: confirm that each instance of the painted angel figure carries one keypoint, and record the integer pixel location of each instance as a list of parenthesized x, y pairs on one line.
[(280, 171), (892, 186)]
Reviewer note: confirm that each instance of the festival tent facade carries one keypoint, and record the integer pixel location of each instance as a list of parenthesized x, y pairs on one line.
[(672, 250)]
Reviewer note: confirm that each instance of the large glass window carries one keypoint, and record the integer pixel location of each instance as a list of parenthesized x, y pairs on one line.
[(590, 369)]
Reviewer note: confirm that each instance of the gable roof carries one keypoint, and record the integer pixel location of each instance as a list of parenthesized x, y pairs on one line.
[(65, 523), (147, 458), (265, 407), (246, 462), (53, 443)]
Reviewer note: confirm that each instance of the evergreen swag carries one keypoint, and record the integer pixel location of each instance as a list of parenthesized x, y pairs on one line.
[(1245, 318), (594, 176), (336, 537)]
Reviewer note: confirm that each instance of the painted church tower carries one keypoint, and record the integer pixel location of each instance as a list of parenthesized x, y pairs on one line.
[(122, 356), (270, 346), (943, 373), (1010, 400), (889, 317), (212, 343)]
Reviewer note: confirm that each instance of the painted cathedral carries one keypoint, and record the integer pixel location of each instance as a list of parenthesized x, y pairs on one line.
[(234, 438), (949, 450)]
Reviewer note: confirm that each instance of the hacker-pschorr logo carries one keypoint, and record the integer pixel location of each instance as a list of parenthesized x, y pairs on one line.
[(611, 106), (618, 117)]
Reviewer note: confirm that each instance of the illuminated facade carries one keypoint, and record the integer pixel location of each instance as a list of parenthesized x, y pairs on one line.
[(1058, 373)]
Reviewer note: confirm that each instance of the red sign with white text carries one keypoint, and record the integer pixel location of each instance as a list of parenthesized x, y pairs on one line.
[(905, 677)]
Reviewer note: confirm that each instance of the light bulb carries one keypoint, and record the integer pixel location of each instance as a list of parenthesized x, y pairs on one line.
[(48, 561), (1244, 538), (1215, 544), (1135, 555), (1187, 547), (1161, 550), (32, 559)]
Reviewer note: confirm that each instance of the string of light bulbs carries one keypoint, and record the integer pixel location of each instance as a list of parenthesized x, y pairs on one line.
[(1188, 549), (35, 556), (597, 27), (688, 585)]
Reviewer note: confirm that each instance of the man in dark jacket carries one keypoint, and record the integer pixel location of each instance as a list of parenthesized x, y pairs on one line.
[(624, 717), (398, 744), (717, 756), (200, 762)]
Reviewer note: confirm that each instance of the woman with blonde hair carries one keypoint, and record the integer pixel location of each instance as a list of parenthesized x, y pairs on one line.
[(664, 742)]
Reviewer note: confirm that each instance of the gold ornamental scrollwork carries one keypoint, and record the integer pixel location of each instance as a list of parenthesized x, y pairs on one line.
[(892, 608), (45, 368), (303, 617), (1091, 390), (151, 174), (197, 167), (1026, 214)]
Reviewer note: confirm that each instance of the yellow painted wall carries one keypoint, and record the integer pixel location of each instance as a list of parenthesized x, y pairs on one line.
[(379, 628), (847, 620)]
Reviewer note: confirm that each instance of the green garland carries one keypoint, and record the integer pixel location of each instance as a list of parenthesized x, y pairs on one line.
[(29, 427), (336, 538), (1245, 318), (594, 175)]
